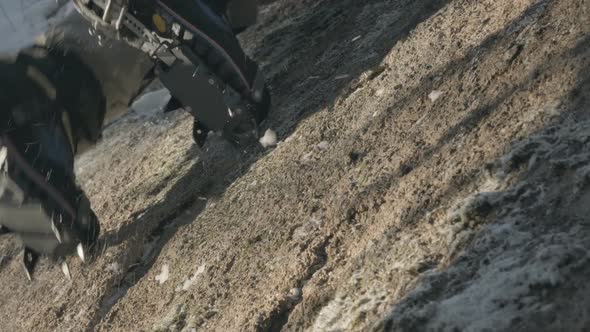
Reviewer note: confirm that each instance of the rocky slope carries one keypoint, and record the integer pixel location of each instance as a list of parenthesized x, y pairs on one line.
[(433, 173)]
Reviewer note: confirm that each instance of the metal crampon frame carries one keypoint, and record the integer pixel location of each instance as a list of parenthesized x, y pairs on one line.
[(172, 43)]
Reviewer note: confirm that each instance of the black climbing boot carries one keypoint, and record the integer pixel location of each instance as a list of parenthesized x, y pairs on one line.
[(39, 199)]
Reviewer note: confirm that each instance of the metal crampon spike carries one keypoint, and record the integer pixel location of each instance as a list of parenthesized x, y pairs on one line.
[(107, 10), (30, 259), (55, 230), (80, 252), (66, 270)]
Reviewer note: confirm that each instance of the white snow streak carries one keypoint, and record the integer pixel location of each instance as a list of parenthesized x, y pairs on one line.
[(164, 274)]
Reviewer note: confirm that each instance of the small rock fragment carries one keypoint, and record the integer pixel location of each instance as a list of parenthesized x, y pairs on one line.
[(295, 293), (269, 139), (434, 95)]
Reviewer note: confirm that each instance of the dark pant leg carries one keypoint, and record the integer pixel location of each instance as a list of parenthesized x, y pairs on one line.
[(242, 13)]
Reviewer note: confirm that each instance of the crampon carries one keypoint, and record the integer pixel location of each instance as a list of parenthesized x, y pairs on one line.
[(40, 202), (46, 220), (196, 56)]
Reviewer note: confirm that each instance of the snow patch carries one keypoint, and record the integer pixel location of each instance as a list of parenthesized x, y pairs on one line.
[(188, 283), (164, 274)]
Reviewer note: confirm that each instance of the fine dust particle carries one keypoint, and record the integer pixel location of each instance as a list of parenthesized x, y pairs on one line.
[(269, 139), (164, 274), (434, 95), (323, 145)]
